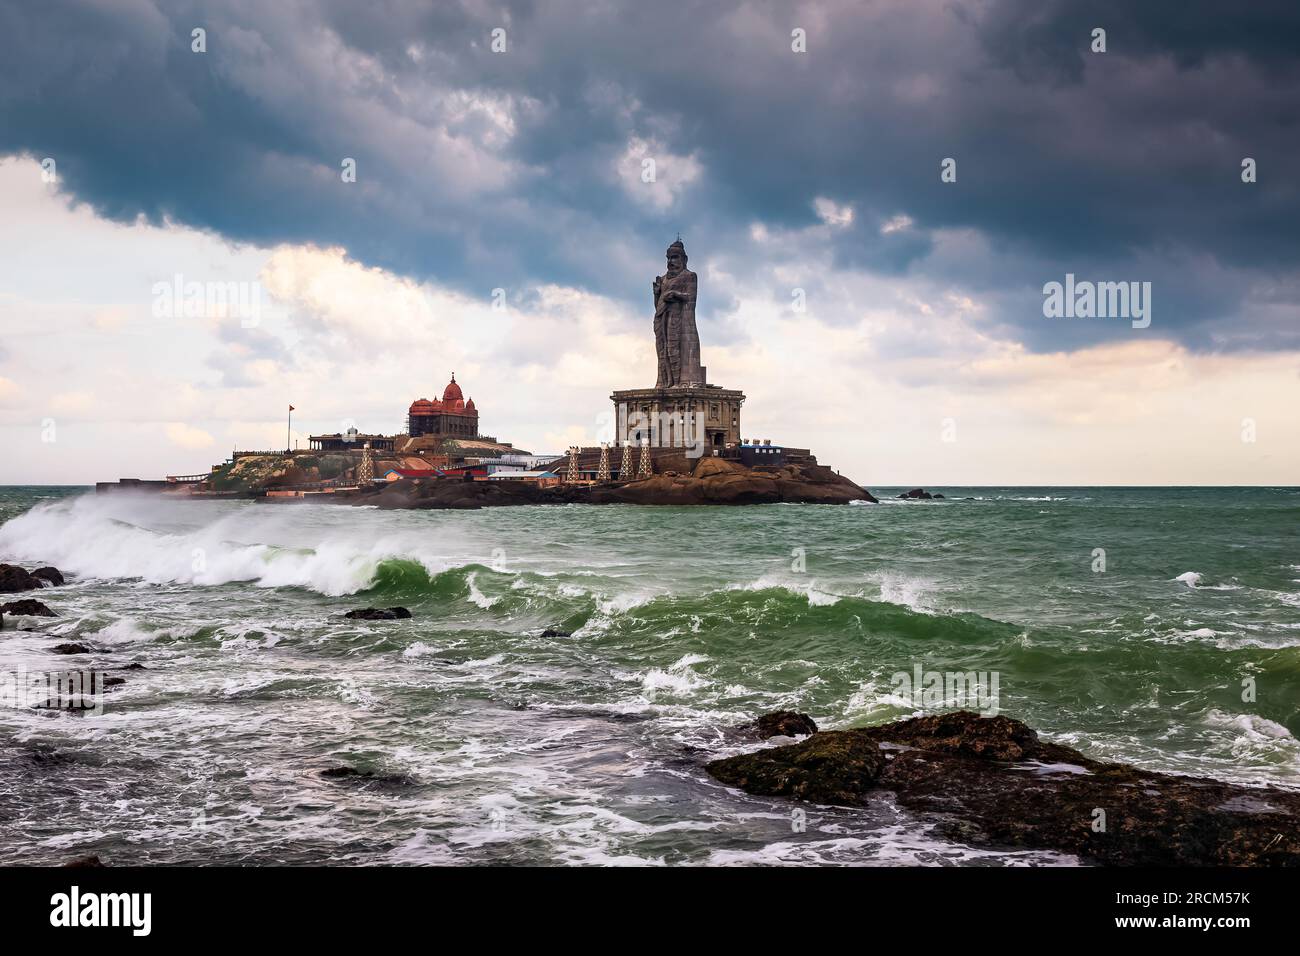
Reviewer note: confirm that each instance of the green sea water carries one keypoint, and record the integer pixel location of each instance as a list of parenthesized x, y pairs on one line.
[(492, 743)]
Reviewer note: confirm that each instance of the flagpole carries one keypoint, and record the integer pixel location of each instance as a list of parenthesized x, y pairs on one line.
[(288, 434)]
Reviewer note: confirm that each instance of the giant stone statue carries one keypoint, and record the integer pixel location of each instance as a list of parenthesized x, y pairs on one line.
[(677, 341)]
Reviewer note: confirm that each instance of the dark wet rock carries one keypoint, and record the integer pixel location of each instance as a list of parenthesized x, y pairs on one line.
[(134, 666), (916, 494), (45, 755), (556, 632), (343, 773), (85, 862), (991, 780), (937, 496), (52, 576), (352, 774), (967, 734), (780, 723), (26, 606), (838, 767), (379, 614), (114, 681), (14, 578), (71, 648)]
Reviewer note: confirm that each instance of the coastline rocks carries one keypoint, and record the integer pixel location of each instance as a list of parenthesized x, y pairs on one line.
[(14, 578), (780, 723), (834, 766), (991, 780), (51, 575), (26, 606), (916, 494), (379, 614), (964, 733), (556, 632)]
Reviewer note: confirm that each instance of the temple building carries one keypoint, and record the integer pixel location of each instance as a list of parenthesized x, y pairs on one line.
[(450, 417)]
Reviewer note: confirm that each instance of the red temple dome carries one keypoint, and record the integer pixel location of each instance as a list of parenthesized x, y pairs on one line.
[(469, 406), (421, 405), (452, 392)]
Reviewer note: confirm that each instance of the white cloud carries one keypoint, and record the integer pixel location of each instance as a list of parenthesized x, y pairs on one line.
[(894, 224), (671, 172), (832, 213), (187, 436)]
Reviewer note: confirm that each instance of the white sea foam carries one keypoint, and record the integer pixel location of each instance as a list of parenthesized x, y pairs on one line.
[(815, 596), (678, 680), (905, 591), (1251, 727), (178, 542), (869, 699), (476, 596)]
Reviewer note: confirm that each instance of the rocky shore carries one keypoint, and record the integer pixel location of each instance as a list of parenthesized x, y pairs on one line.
[(990, 780), (713, 481), (14, 579)]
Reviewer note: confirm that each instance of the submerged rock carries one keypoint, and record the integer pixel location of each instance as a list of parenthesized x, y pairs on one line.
[(379, 614), (556, 632), (780, 723), (991, 780), (84, 862), (71, 648), (27, 606), (365, 776), (917, 494)]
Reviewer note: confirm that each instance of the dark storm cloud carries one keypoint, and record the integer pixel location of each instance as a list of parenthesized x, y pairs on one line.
[(483, 170)]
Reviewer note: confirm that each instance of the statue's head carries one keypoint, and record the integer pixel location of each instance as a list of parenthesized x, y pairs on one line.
[(676, 258)]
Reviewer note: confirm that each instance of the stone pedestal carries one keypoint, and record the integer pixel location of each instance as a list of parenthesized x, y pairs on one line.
[(697, 417)]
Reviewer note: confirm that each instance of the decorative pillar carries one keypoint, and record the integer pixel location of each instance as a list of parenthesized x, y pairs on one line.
[(643, 467), (571, 473), (625, 466), (602, 470)]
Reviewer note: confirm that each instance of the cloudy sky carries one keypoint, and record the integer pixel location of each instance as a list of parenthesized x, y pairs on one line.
[(920, 354)]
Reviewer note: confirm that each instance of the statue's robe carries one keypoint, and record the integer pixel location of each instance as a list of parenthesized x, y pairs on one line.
[(677, 340)]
